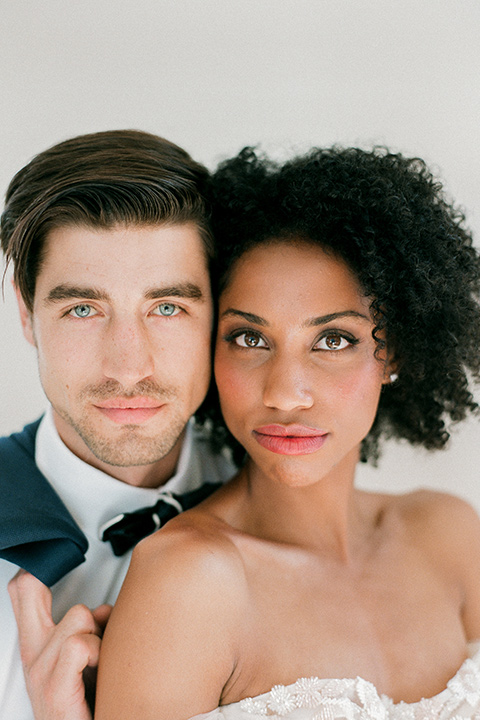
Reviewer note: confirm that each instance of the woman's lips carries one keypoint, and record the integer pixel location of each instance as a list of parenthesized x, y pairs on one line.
[(290, 439)]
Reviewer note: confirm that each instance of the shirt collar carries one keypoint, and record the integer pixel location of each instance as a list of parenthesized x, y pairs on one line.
[(93, 497)]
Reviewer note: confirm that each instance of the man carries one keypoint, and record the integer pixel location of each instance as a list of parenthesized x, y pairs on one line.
[(109, 240)]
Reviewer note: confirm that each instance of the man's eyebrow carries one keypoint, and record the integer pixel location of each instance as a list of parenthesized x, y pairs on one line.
[(69, 292), (188, 291)]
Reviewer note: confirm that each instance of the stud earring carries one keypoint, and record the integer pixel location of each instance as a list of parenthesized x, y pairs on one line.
[(393, 377)]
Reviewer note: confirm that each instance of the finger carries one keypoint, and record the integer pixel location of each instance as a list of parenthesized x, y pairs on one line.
[(78, 621), (28, 593), (64, 691), (32, 606), (56, 681), (77, 653), (101, 615)]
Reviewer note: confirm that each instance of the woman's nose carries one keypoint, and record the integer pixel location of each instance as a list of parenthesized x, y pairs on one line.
[(287, 386)]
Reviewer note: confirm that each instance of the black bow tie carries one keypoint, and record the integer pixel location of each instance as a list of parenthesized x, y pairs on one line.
[(124, 531)]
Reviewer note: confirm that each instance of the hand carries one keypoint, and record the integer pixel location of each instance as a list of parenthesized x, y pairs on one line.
[(59, 661)]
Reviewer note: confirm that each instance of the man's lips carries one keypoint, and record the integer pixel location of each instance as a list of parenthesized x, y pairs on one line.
[(129, 411), (290, 439)]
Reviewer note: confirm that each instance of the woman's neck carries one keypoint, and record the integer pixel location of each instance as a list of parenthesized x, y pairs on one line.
[(329, 516)]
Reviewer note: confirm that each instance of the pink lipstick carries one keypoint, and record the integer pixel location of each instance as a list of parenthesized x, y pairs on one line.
[(290, 439)]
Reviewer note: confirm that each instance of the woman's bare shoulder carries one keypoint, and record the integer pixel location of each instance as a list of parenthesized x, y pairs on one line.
[(430, 510), (184, 604), (452, 532), (193, 548), (446, 527), (430, 515)]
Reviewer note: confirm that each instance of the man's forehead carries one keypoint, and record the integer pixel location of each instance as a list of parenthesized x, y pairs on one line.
[(172, 247), (97, 263), (162, 232)]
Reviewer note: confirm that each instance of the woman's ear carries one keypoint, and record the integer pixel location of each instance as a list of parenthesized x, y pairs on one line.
[(390, 374), (25, 317)]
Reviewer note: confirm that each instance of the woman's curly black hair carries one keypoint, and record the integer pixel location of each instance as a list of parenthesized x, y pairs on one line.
[(388, 219)]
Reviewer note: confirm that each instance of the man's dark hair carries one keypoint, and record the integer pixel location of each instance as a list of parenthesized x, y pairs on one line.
[(389, 220), (99, 180)]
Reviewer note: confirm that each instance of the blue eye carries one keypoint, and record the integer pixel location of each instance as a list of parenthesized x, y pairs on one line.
[(166, 309), (82, 311)]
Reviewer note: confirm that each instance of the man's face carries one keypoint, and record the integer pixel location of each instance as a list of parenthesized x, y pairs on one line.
[(121, 322)]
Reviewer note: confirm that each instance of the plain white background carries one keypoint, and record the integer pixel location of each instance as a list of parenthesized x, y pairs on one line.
[(215, 75)]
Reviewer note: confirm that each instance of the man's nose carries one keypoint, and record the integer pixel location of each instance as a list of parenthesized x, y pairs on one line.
[(287, 385), (128, 353)]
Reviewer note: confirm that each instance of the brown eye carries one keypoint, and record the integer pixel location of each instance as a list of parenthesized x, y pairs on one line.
[(250, 339), (333, 341)]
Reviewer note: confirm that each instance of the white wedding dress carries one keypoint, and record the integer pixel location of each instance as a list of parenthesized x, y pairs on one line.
[(317, 699)]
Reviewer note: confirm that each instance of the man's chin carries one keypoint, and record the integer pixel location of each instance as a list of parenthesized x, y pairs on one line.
[(115, 445), (132, 451), (130, 445)]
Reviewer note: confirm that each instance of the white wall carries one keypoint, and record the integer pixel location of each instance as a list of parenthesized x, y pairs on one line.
[(215, 75)]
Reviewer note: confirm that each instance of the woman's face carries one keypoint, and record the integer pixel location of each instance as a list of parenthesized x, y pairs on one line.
[(298, 379)]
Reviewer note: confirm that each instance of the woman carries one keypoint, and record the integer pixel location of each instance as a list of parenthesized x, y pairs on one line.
[(348, 310)]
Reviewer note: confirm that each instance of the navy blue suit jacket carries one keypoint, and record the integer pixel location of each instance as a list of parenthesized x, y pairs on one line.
[(37, 532)]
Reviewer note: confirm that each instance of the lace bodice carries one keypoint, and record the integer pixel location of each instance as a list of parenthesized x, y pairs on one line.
[(357, 699)]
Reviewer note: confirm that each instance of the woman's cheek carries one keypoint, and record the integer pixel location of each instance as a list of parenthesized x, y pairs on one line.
[(234, 386)]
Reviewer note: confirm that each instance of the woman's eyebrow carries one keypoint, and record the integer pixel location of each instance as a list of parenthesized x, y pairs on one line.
[(250, 317), (321, 320), (324, 319)]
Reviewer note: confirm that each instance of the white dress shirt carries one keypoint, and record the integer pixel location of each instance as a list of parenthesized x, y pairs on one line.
[(92, 497)]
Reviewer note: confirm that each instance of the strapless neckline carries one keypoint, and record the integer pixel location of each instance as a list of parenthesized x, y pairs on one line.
[(316, 698)]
